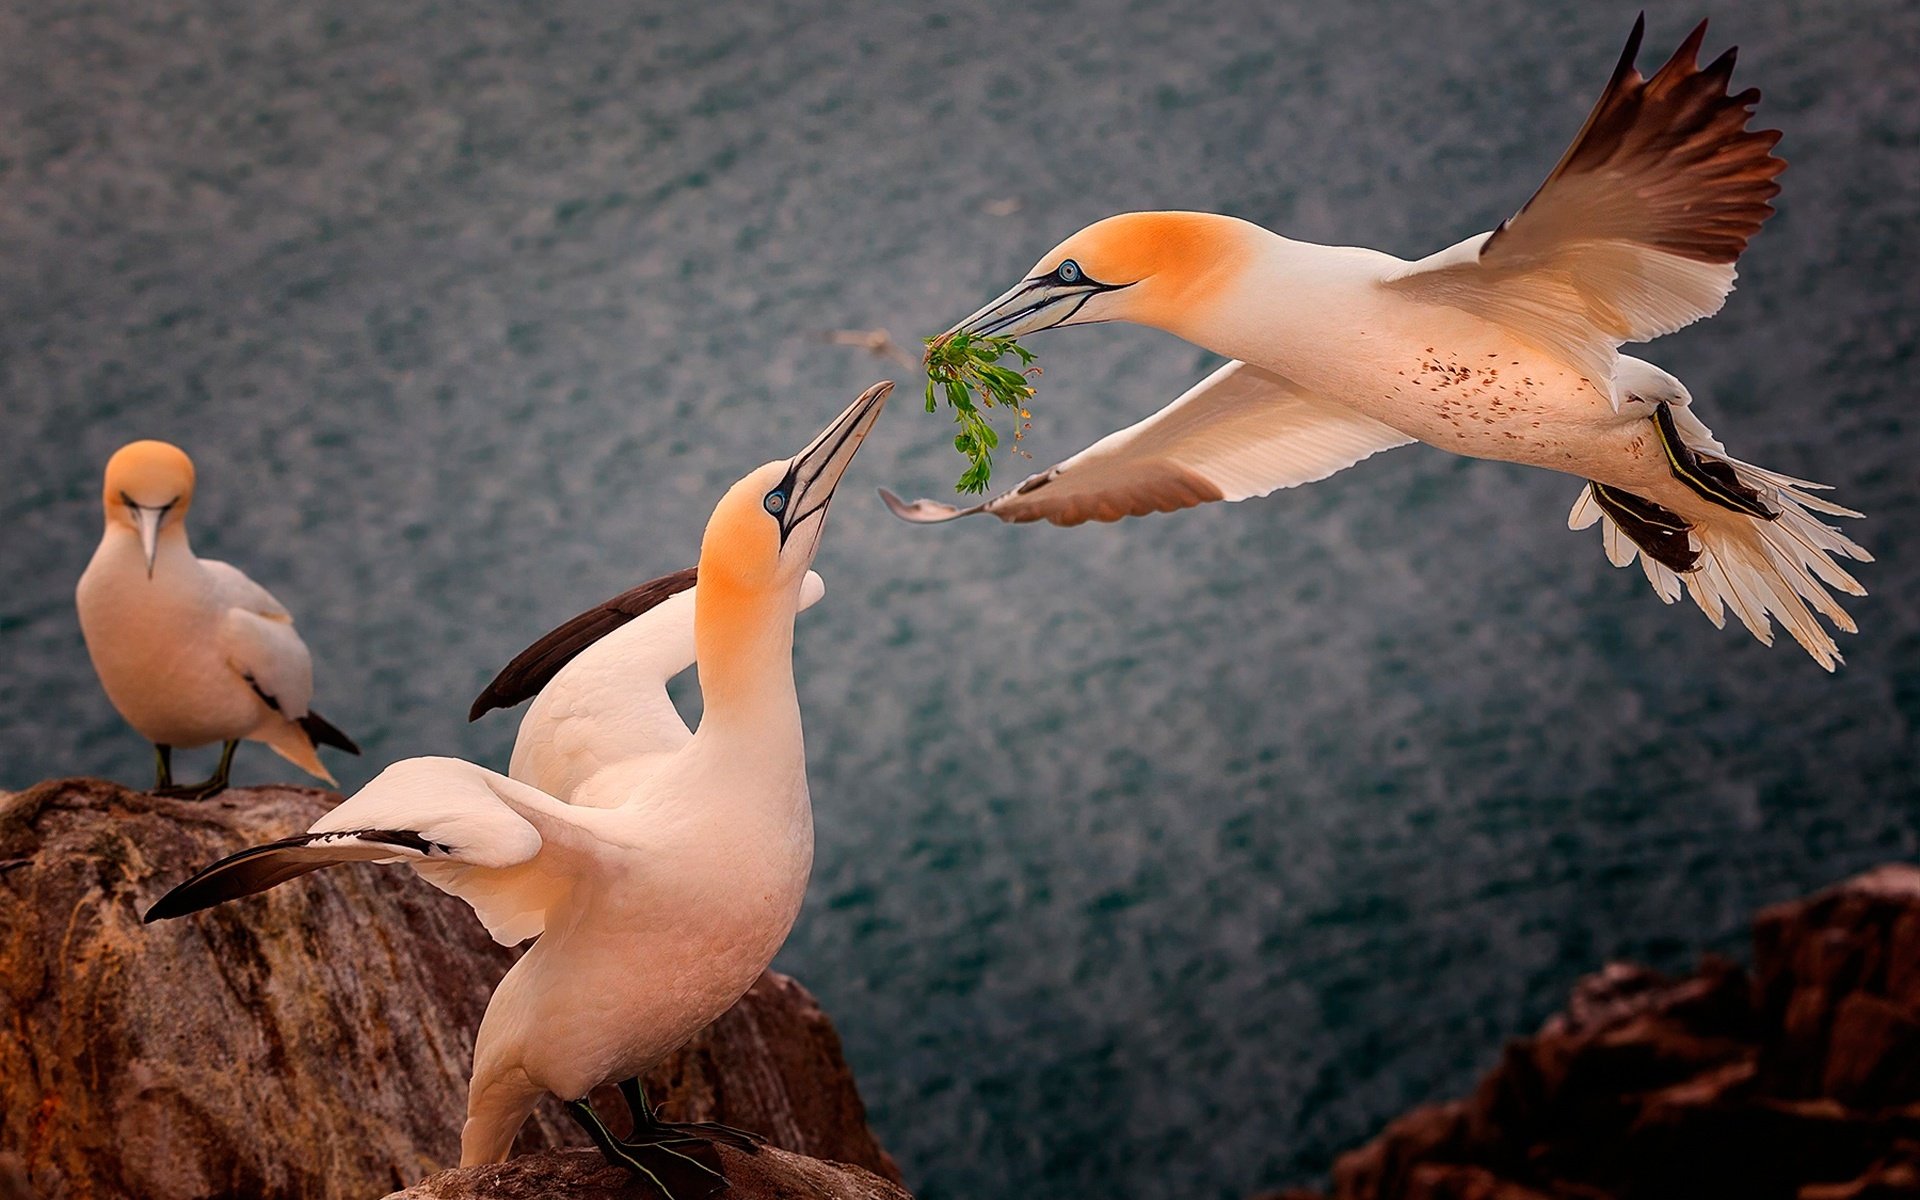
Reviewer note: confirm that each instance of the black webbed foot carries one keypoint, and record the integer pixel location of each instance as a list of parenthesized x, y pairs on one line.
[(1661, 534), (648, 1125), (165, 786), (1709, 477), (677, 1159), (676, 1167)]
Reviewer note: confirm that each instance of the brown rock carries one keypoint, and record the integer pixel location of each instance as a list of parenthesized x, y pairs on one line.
[(584, 1175), (1895, 1177), (312, 1042), (1816, 960), (1803, 1085), (1452, 1181)]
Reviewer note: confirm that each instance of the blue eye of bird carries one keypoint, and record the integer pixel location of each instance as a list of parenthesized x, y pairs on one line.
[(776, 501), (1068, 271)]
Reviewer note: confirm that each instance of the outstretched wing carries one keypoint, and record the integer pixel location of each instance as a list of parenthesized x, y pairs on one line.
[(507, 849), (1636, 230), (608, 702), (534, 667), (1242, 431)]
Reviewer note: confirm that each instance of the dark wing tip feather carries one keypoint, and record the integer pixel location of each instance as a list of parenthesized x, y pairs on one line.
[(1687, 56), (250, 871), (1684, 118), (1634, 38), (322, 732), (258, 868), (535, 667)]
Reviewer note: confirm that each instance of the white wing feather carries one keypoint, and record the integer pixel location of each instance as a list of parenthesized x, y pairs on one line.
[(610, 704), (511, 851), (1242, 431)]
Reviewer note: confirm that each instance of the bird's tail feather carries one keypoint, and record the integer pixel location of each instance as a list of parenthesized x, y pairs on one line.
[(291, 741), (1780, 569), (322, 732)]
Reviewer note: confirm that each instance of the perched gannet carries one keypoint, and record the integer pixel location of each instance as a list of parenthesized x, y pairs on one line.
[(1503, 346), (190, 650), (586, 712), (663, 890)]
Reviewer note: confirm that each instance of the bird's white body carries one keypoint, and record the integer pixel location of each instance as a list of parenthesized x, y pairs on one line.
[(188, 654), (1439, 375), (639, 959)]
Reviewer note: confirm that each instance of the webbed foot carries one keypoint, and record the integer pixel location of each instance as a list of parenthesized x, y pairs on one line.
[(677, 1158), (165, 786), (648, 1125), (677, 1167), (1662, 534), (1710, 478)]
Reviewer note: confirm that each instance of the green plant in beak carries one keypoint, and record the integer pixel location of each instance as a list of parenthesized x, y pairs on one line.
[(962, 364)]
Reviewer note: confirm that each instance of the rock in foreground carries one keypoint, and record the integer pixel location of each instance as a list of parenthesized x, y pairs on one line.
[(311, 1042), (584, 1175), (1799, 1083)]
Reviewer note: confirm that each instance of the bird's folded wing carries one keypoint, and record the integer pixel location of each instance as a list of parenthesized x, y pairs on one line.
[(507, 849), (270, 656), (606, 700), (1242, 431), (1636, 230), (235, 590)]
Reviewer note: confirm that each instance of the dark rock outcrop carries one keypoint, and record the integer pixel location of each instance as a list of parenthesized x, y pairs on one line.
[(312, 1042), (1801, 1082), (584, 1175)]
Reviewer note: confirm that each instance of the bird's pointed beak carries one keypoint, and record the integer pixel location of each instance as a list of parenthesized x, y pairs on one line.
[(147, 520), (1028, 307), (816, 470)]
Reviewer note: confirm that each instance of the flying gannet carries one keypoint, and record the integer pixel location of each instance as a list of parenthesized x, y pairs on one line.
[(664, 889), (190, 650), (1503, 346)]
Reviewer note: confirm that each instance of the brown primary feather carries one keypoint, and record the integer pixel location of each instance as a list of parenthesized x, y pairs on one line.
[(1162, 487), (1701, 180), (535, 667)]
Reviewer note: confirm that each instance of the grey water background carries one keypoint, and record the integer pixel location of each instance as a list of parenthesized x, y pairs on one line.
[(1167, 858)]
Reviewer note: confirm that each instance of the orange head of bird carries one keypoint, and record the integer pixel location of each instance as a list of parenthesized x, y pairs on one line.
[(148, 488)]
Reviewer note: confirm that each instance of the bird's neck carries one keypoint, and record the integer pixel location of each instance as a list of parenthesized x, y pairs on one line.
[(1264, 303), (743, 642)]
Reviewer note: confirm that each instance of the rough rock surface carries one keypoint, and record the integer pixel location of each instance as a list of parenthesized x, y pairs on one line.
[(1801, 1082), (311, 1042), (584, 1175)]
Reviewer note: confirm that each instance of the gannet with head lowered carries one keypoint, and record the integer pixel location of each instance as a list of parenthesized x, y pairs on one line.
[(664, 889), (1504, 346), (189, 650)]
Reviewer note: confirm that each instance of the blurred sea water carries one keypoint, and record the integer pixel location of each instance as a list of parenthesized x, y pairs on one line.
[(1160, 859)]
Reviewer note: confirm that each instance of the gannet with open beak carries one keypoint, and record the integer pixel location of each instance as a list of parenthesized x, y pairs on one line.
[(190, 650), (1503, 346), (663, 891)]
